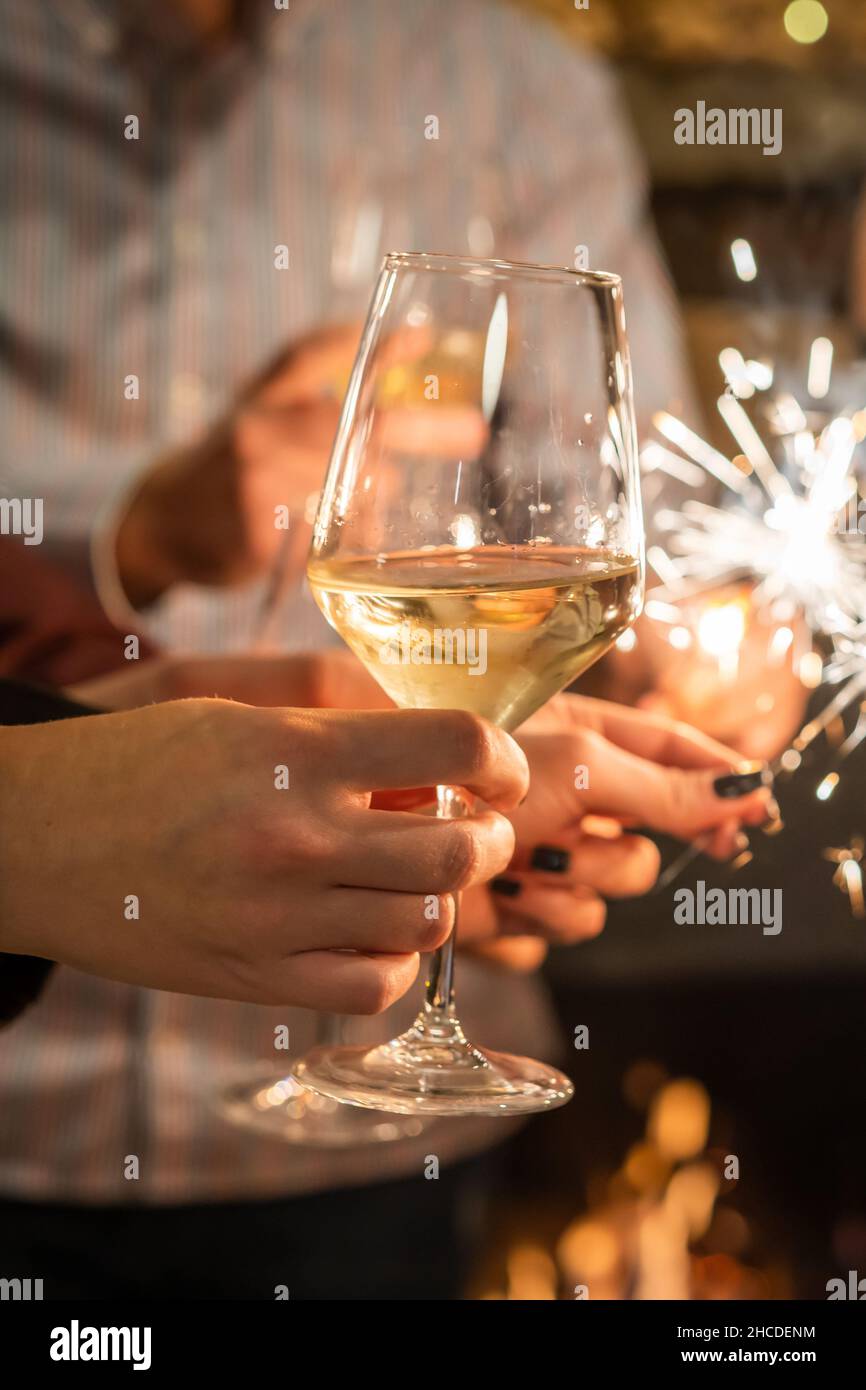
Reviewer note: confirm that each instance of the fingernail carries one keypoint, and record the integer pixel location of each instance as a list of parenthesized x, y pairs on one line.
[(550, 859), (506, 887), (741, 842), (751, 779)]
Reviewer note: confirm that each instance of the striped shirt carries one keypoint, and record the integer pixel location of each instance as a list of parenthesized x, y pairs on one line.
[(148, 180)]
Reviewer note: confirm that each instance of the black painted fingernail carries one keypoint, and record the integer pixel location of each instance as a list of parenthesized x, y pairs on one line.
[(506, 887), (735, 784), (550, 859)]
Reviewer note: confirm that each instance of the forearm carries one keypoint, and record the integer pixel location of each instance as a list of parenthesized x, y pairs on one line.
[(22, 975), (23, 970)]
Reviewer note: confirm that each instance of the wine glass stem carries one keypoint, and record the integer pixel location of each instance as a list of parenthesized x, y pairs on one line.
[(451, 803), (329, 1029)]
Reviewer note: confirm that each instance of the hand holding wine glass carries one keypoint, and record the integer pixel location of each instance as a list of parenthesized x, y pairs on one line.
[(291, 894)]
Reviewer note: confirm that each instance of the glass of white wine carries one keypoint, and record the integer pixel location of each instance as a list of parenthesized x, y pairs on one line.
[(478, 544)]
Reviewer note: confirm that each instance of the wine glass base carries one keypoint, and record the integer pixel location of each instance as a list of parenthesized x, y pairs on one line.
[(418, 1075), (279, 1107)]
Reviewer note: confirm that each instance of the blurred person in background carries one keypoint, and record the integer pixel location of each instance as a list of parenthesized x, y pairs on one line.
[(199, 193)]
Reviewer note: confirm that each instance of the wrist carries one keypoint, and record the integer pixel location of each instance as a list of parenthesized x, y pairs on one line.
[(36, 835)]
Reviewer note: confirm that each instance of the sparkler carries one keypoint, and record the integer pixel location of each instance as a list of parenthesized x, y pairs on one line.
[(780, 527), (788, 525)]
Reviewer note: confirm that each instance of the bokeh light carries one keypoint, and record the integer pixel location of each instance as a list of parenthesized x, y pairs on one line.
[(806, 21)]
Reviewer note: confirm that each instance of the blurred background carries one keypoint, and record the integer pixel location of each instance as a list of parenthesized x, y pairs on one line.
[(798, 211), (712, 1042)]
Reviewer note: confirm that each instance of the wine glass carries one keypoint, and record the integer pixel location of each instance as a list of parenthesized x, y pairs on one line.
[(271, 1102), (478, 543)]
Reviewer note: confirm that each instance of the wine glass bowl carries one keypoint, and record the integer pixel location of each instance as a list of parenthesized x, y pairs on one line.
[(478, 544)]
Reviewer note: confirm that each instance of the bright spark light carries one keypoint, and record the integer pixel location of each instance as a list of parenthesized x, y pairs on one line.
[(781, 528), (820, 368), (780, 644), (827, 786), (736, 373), (849, 873), (464, 530), (721, 629), (744, 259), (744, 378)]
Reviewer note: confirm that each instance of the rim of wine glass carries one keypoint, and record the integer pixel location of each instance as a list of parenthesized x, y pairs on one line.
[(438, 260)]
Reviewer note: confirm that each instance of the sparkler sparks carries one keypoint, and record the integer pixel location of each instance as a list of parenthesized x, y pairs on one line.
[(783, 529), (789, 526), (849, 873)]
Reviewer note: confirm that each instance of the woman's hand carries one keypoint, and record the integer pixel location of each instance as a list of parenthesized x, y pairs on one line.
[(210, 848), (596, 769)]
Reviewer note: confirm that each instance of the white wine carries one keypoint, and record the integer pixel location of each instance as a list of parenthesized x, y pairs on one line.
[(495, 629)]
